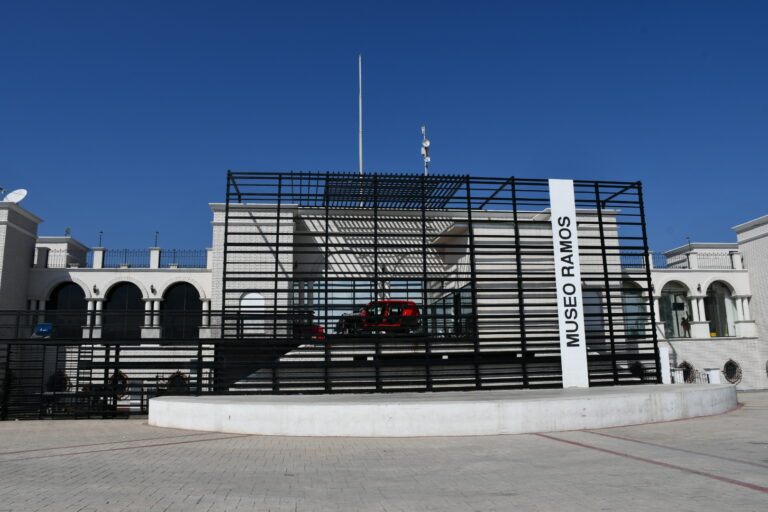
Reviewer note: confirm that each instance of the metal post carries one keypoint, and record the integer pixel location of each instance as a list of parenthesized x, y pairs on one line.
[(649, 282), (520, 294), (473, 283), (424, 285), (607, 284)]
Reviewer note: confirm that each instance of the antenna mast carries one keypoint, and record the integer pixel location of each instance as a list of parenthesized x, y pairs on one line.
[(360, 112), (425, 149)]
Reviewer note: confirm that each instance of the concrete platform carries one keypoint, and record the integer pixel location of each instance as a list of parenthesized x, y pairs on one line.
[(441, 414)]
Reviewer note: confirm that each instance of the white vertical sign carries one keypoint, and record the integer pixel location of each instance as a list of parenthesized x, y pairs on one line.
[(570, 307)]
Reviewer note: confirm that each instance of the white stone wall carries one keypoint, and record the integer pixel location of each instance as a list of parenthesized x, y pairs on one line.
[(750, 353), (753, 245), (18, 232)]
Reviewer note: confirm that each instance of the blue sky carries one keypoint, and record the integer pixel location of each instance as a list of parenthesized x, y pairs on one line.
[(125, 116)]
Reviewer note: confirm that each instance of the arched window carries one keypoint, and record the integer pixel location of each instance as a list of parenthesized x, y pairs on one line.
[(732, 371), (251, 314), (123, 312), (634, 309), (66, 310), (181, 312), (718, 305), (675, 311)]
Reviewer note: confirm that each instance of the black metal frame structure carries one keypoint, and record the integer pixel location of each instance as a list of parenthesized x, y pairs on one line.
[(475, 255)]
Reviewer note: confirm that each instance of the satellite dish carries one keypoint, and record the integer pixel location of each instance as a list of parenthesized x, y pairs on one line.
[(15, 196)]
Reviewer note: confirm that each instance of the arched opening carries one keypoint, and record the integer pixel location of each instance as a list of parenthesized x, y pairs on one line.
[(181, 312), (251, 314), (634, 308), (732, 371), (66, 309), (675, 311), (123, 312), (718, 305)]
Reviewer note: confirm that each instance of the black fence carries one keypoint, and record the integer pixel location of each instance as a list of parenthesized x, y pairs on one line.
[(183, 258), (132, 258)]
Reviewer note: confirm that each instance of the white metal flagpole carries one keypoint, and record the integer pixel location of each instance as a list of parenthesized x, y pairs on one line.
[(360, 111)]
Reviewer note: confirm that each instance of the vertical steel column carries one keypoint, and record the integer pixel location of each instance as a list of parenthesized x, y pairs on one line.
[(217, 373), (273, 355), (276, 252), (326, 345), (375, 238), (376, 341), (520, 294), (424, 280), (649, 283), (607, 283), (473, 283)]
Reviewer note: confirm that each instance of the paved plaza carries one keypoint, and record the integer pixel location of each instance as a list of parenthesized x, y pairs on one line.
[(715, 463)]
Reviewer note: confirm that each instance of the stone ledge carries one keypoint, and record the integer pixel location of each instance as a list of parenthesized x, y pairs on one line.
[(441, 414)]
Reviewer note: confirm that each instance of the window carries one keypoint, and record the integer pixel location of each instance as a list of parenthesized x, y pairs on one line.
[(251, 321), (732, 372), (634, 310), (123, 313), (718, 305), (181, 313), (66, 310), (675, 311)]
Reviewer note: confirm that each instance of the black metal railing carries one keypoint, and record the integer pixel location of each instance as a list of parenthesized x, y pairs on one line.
[(183, 258), (659, 260), (132, 258), (633, 261), (715, 260)]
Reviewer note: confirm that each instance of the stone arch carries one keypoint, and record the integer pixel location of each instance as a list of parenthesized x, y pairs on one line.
[(124, 279), (66, 309), (123, 311), (176, 280), (675, 280), (675, 309), (720, 309), (181, 311), (718, 279), (70, 279)]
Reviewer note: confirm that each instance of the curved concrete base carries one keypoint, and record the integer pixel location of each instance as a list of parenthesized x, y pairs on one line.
[(441, 414)]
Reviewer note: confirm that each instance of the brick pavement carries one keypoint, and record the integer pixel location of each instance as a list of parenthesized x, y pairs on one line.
[(716, 463)]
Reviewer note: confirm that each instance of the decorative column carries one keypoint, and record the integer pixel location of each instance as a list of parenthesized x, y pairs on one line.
[(745, 300), (99, 307), (92, 327), (657, 316), (745, 326), (156, 313), (90, 305), (205, 330), (206, 320), (151, 328), (700, 324), (147, 312), (694, 305)]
